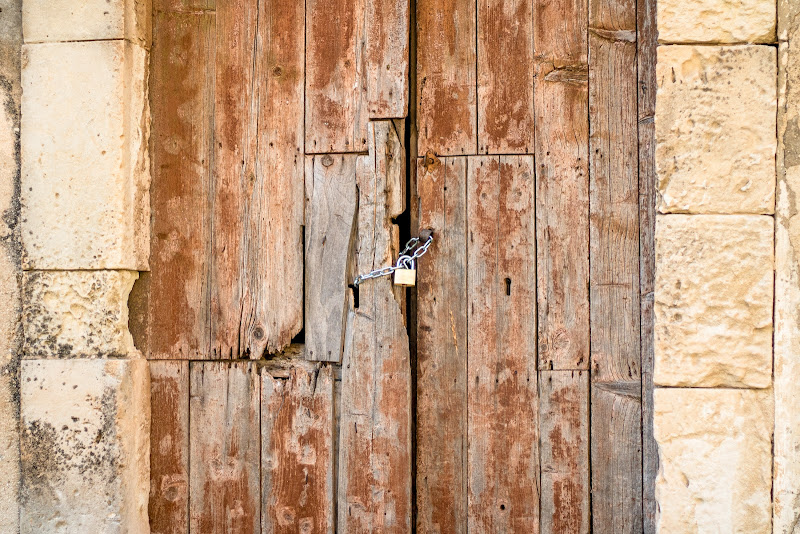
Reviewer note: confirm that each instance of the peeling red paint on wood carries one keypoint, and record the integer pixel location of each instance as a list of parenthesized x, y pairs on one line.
[(297, 452), (387, 58), (503, 429), (505, 77)]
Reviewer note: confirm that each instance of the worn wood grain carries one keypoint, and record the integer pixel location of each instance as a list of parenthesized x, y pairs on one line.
[(446, 77), (647, 39), (297, 479), (224, 450), (375, 440), (562, 181), (503, 451), (387, 58), (564, 423), (177, 317), (442, 474), (183, 6), (614, 276), (331, 203), (505, 77), (336, 76), (169, 447)]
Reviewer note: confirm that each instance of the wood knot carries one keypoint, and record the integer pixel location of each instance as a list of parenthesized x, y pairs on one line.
[(258, 333), (431, 161), (277, 71), (327, 160)]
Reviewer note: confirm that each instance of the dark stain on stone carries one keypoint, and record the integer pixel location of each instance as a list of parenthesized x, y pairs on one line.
[(791, 140)]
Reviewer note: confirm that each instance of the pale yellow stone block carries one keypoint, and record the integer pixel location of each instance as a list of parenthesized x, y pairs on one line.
[(85, 447), (716, 129), (85, 20), (85, 171), (713, 300), (716, 21), (77, 314), (715, 460)]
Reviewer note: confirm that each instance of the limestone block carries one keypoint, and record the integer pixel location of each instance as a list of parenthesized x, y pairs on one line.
[(85, 172), (85, 446), (715, 129), (715, 458), (713, 300), (84, 20), (716, 21), (77, 314)]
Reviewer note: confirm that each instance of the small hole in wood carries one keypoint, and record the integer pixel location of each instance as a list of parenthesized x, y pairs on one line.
[(355, 295), (508, 286)]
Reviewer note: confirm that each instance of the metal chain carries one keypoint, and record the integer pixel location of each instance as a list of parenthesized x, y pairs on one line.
[(412, 251)]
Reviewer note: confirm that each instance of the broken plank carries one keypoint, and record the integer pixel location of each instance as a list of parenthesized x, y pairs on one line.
[(564, 422), (562, 178), (177, 320), (224, 452), (442, 475), (505, 77), (297, 460), (336, 87), (169, 447), (503, 430), (387, 58), (446, 79), (375, 440), (331, 201)]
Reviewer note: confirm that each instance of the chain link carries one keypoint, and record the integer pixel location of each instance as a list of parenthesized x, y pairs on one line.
[(411, 252)]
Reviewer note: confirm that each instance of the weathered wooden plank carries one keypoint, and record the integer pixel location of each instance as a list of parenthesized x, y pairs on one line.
[(562, 181), (564, 423), (224, 450), (169, 447), (647, 39), (446, 78), (183, 6), (505, 77), (614, 277), (387, 58), (272, 301), (177, 323), (331, 201), (336, 87), (235, 138), (375, 440), (442, 349), (297, 452), (503, 430)]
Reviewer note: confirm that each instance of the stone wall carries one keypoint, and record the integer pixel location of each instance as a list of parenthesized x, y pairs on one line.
[(84, 388), (716, 256)]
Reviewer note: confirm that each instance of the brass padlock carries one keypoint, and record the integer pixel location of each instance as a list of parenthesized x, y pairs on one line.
[(405, 274)]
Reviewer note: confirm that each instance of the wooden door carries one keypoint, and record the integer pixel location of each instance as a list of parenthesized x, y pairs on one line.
[(296, 145)]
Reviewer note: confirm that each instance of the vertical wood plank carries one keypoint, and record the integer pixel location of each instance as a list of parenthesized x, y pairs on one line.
[(336, 89), (297, 452), (331, 201), (446, 77), (235, 137), (564, 422), (169, 447), (562, 181), (182, 89), (387, 58), (442, 350), (375, 440), (503, 452), (614, 277), (505, 77), (224, 452), (272, 299), (647, 38)]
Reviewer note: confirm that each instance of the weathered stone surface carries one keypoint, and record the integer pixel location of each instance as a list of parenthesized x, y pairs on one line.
[(786, 485), (77, 314), (85, 446), (716, 21), (85, 20), (715, 448), (713, 300), (715, 129), (85, 171)]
